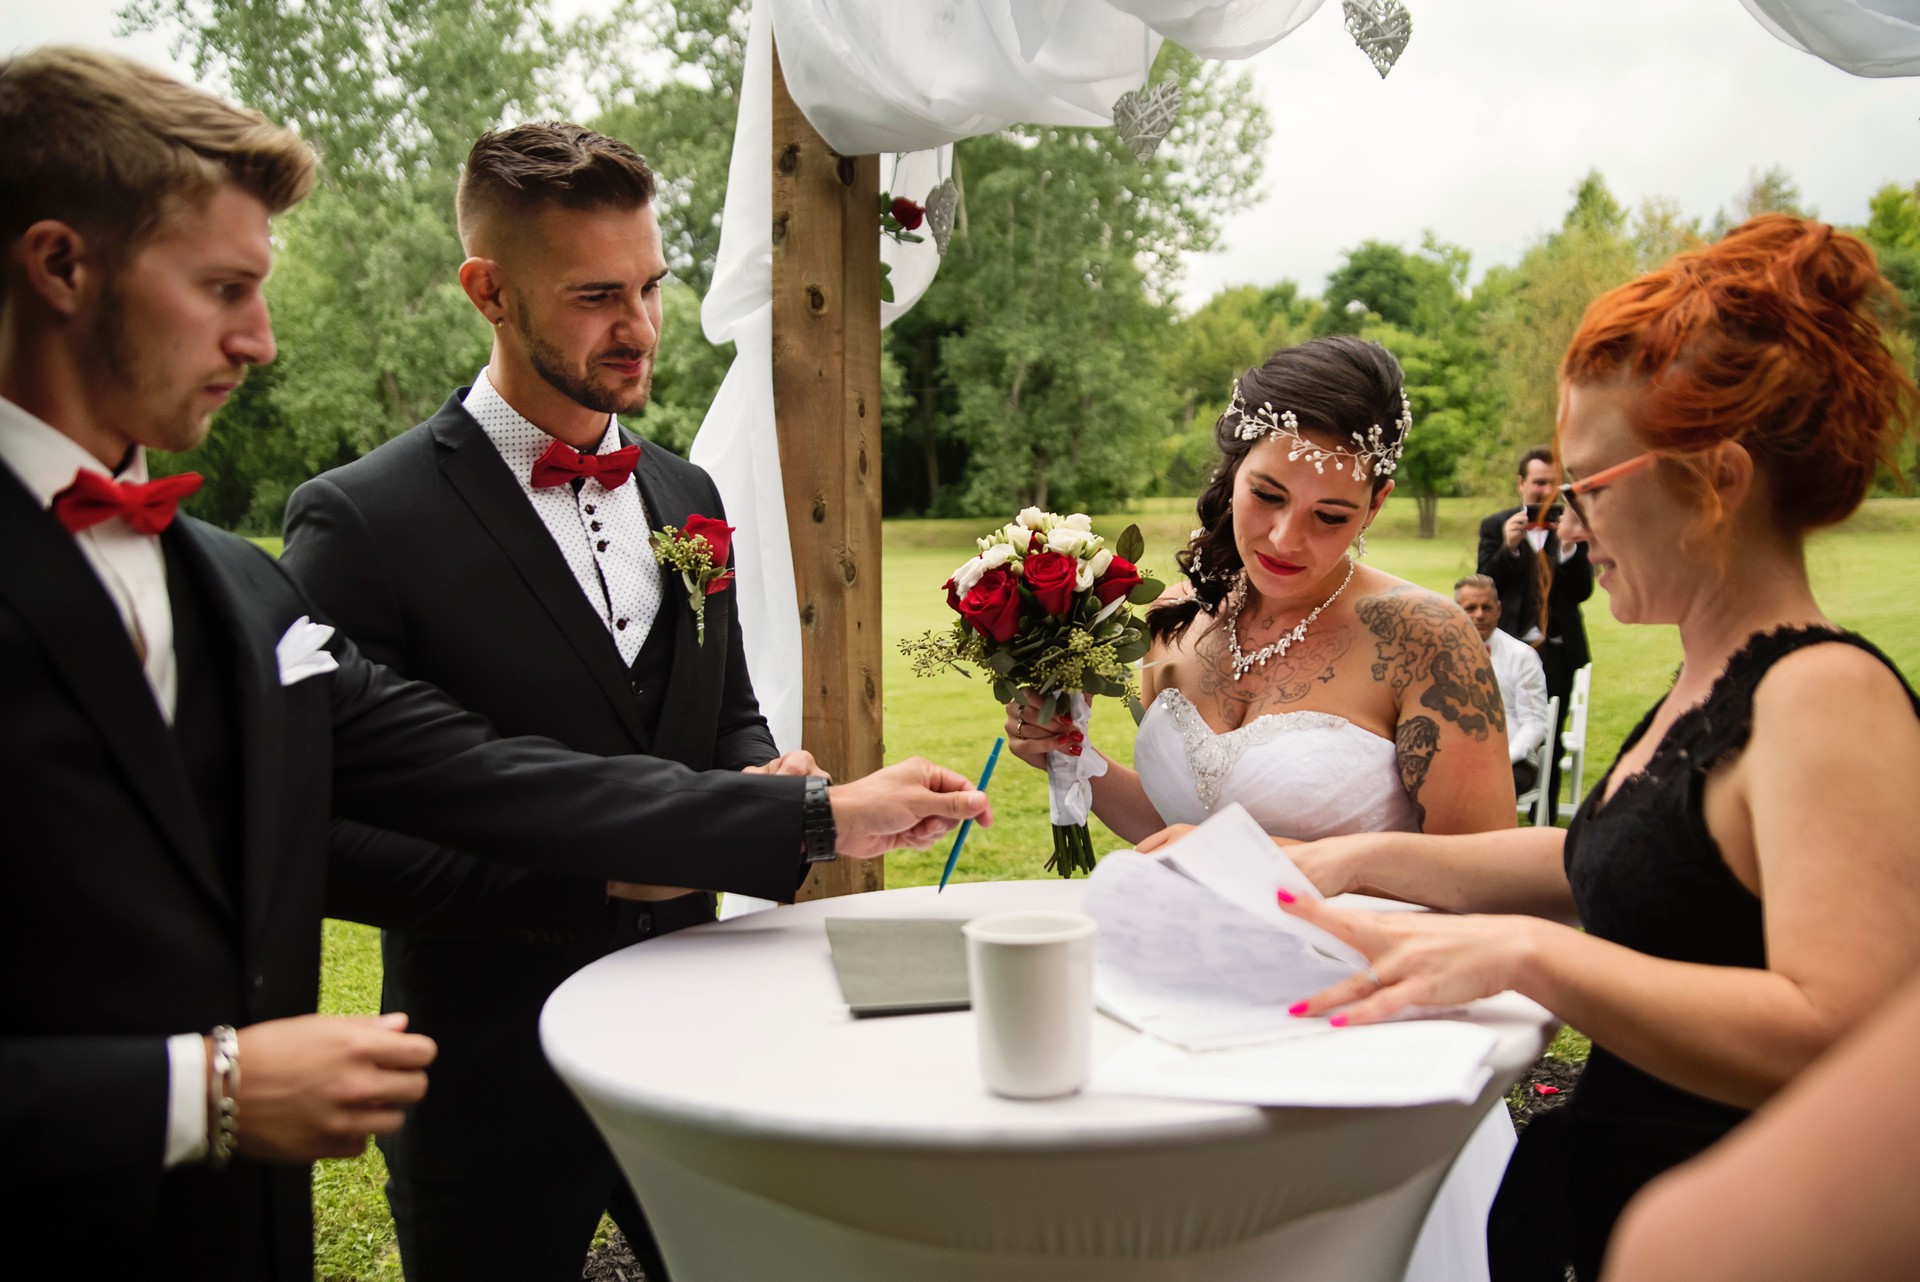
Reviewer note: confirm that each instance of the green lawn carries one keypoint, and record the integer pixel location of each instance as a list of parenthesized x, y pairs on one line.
[(1864, 573)]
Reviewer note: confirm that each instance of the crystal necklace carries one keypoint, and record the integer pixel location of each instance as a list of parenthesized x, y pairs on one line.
[(1276, 649)]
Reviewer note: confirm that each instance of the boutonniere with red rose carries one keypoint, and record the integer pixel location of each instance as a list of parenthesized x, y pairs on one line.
[(699, 552), (1044, 606)]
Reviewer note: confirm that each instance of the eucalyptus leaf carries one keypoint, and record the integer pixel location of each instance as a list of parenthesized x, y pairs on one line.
[(1000, 662), (1003, 691), (1130, 544), (1145, 592)]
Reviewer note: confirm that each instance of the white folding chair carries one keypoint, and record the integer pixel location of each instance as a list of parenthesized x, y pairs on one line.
[(1573, 740), (1536, 799)]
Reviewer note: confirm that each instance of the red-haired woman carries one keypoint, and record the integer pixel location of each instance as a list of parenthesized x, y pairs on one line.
[(1747, 874)]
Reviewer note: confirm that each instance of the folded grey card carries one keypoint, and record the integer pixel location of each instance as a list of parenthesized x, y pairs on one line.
[(899, 966)]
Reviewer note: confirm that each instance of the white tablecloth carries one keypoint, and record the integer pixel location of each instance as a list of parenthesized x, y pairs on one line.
[(771, 1136)]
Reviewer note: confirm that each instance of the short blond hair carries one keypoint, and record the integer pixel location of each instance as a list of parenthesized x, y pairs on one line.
[(111, 147)]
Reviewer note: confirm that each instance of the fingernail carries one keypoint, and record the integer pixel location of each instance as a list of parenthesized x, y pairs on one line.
[(1284, 896), (1074, 750), (1298, 1008), (1338, 1021)]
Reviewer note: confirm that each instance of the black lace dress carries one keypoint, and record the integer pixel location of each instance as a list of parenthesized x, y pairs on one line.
[(1645, 873)]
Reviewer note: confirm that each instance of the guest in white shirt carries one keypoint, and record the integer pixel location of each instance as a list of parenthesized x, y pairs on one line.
[(1516, 666)]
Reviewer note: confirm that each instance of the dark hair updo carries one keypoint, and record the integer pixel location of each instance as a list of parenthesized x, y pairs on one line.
[(1335, 387)]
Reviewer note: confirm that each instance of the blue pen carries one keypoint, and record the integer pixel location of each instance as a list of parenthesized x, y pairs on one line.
[(958, 837)]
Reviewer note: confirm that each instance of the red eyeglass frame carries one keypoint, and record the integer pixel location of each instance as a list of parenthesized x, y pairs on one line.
[(1570, 492)]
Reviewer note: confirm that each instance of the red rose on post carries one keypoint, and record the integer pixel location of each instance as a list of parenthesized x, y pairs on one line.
[(1121, 578), (1051, 576), (718, 536), (992, 606), (906, 213)]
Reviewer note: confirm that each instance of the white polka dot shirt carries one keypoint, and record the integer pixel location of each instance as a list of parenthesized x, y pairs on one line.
[(602, 533)]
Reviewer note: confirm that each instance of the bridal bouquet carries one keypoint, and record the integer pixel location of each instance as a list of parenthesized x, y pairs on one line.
[(1044, 606)]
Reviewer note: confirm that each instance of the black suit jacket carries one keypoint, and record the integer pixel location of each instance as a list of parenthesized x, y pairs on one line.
[(117, 928), (428, 554), (1514, 572)]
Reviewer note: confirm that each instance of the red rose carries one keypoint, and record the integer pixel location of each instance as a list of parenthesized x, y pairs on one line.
[(718, 534), (724, 581), (1122, 577), (993, 606), (906, 213), (1051, 576)]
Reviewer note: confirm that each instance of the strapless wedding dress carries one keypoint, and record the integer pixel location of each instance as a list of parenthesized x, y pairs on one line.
[(1311, 775)]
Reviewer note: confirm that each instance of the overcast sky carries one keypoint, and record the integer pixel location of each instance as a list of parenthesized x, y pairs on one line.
[(1495, 111)]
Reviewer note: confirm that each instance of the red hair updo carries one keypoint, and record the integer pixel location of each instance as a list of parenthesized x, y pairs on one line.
[(1771, 338)]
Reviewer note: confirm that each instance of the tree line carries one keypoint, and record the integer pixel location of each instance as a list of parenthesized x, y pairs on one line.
[(1048, 364)]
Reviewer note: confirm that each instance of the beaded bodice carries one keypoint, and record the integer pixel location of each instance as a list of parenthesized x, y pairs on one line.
[(1299, 774)]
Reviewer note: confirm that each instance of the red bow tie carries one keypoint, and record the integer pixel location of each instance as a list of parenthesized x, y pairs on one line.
[(148, 506), (562, 463)]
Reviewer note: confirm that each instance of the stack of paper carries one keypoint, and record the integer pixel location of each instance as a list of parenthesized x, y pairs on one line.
[(1194, 949)]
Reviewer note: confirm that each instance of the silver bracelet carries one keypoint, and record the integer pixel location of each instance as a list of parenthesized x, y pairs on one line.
[(223, 1097)]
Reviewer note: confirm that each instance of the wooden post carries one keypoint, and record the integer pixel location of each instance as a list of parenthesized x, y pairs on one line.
[(826, 395)]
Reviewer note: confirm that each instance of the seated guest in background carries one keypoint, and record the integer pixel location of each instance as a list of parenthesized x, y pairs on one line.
[(1516, 666), (487, 513), (1746, 872), (1821, 1183), (1541, 580), (178, 729)]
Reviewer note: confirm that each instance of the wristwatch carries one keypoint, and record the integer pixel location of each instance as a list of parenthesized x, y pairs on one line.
[(817, 835)]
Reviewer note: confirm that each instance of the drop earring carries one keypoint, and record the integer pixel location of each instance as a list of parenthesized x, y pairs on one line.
[(1360, 543)]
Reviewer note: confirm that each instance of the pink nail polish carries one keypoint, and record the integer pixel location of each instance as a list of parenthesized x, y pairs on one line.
[(1298, 1008), (1338, 1021), (1284, 896)]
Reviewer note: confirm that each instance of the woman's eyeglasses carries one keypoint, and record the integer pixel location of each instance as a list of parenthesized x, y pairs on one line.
[(1571, 492)]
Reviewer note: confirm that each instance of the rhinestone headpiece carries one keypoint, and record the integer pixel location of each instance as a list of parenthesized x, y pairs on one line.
[(1369, 453)]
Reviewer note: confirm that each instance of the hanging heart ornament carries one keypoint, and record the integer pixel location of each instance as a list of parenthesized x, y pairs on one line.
[(942, 203), (1381, 28), (1142, 118)]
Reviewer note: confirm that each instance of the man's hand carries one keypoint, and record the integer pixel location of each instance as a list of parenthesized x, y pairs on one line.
[(798, 762), (316, 1086), (910, 804), (1516, 529)]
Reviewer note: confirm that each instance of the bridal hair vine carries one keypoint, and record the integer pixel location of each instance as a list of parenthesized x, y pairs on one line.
[(1369, 452)]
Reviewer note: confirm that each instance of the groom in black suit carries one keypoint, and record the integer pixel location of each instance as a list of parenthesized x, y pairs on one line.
[(1520, 550), (500, 551), (178, 729)]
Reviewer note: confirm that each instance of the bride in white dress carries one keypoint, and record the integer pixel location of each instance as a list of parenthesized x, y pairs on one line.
[(1323, 695)]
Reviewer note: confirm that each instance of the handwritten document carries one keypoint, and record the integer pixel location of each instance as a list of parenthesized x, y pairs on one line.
[(1193, 950)]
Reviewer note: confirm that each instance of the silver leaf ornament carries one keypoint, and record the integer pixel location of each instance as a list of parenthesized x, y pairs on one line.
[(1142, 118), (1381, 28), (942, 203)]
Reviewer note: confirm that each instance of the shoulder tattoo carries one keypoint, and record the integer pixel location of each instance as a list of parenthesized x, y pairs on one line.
[(1417, 638)]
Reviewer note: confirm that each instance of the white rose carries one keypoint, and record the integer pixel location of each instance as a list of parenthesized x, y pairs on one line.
[(1063, 539), (1101, 560), (1018, 535), (1030, 517), (1080, 521), (968, 574), (1084, 579), (998, 554)]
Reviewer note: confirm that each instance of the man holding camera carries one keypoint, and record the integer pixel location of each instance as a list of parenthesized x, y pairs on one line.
[(1541, 582)]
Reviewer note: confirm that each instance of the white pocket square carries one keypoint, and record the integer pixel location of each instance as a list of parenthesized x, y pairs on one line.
[(302, 651)]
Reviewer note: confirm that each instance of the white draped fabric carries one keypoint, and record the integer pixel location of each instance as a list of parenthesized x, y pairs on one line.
[(1865, 37)]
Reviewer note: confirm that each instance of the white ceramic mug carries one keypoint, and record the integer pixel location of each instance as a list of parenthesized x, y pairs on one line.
[(1031, 975)]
